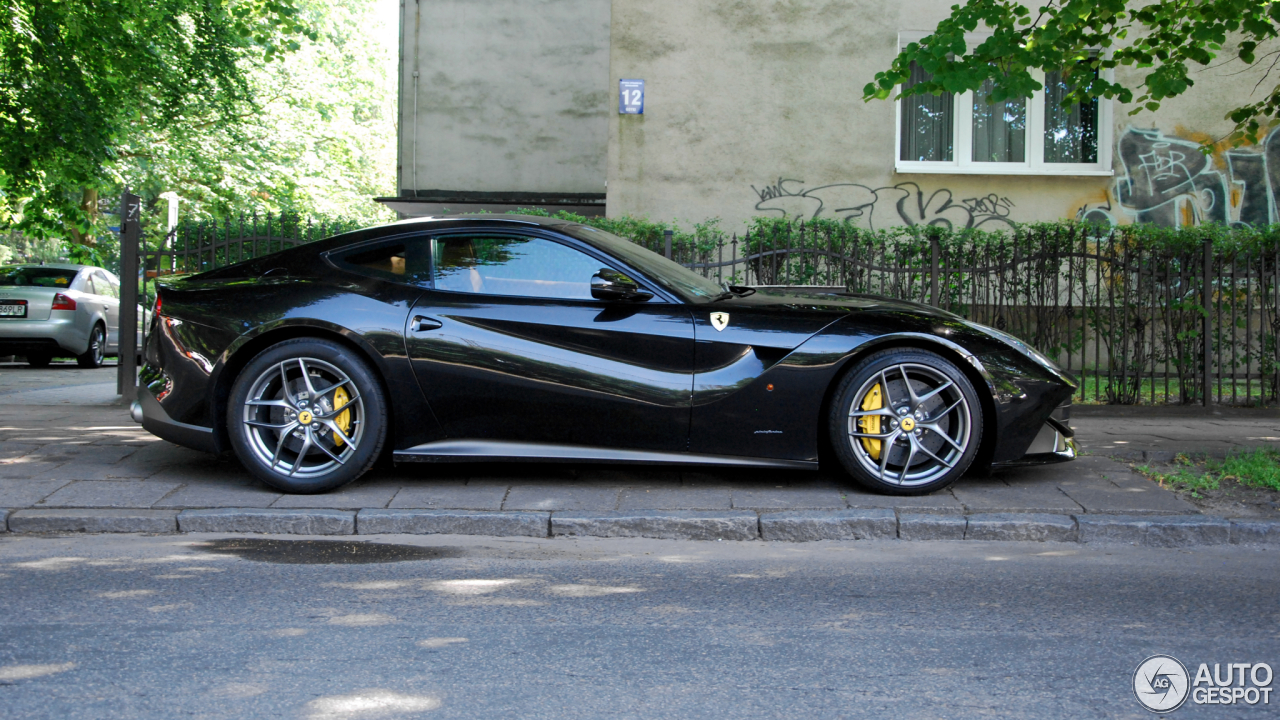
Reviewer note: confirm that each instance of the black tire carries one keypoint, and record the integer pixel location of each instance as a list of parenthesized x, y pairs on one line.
[(869, 403), (93, 356), (39, 359), (270, 394)]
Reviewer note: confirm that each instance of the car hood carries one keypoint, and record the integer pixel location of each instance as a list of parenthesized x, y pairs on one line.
[(831, 304)]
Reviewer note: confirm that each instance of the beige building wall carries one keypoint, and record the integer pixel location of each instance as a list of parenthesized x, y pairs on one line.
[(753, 107), (502, 100)]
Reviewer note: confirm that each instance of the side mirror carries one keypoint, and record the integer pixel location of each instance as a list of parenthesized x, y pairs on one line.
[(612, 285)]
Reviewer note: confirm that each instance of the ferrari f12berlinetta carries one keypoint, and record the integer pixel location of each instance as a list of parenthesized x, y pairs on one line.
[(492, 337)]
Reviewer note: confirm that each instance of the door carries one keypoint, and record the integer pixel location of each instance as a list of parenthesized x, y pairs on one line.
[(109, 292), (509, 345), (747, 401)]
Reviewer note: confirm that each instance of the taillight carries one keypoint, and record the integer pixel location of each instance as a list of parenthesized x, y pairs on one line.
[(156, 310), (62, 302)]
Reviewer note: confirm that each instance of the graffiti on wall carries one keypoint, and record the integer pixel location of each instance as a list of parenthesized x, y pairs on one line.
[(1167, 181), (901, 204)]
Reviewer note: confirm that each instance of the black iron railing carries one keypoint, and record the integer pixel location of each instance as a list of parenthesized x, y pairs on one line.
[(1128, 318)]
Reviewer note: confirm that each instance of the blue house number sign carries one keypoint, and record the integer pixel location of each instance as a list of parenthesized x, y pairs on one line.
[(631, 97)]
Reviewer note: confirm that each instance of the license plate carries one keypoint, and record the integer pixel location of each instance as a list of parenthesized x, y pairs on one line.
[(13, 309)]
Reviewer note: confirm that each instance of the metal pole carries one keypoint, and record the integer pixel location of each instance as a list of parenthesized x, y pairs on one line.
[(1207, 292), (130, 235), (933, 270), (666, 238)]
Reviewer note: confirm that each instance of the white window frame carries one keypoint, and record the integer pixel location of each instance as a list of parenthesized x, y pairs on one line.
[(962, 135)]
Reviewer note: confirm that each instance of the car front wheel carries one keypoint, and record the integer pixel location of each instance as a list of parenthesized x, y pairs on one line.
[(307, 416), (906, 422)]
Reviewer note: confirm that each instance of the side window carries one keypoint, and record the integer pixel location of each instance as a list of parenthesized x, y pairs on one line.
[(407, 261), (105, 286), (87, 285), (511, 265)]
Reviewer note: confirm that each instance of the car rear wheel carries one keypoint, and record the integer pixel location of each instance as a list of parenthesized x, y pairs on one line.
[(906, 422), (92, 357), (307, 416)]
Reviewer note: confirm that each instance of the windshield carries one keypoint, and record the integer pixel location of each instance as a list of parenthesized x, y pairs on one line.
[(670, 275), (28, 275)]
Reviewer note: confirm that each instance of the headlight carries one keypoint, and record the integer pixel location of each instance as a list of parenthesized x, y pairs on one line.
[(1026, 349)]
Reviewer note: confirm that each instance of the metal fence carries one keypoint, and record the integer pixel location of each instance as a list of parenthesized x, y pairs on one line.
[(1128, 318), (201, 246)]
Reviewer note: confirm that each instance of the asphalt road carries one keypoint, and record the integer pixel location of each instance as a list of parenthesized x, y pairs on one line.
[(255, 627)]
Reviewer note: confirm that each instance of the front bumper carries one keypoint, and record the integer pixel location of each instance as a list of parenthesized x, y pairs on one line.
[(56, 334), (1054, 443)]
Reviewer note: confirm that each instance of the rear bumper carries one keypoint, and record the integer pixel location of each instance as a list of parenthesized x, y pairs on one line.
[(58, 334), (157, 422)]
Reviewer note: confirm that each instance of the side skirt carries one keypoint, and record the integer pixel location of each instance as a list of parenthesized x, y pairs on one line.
[(498, 450)]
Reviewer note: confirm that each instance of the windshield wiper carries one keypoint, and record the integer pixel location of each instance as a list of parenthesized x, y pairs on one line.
[(733, 291)]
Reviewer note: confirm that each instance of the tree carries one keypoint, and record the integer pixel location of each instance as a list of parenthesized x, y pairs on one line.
[(1167, 37), (77, 77), (318, 138)]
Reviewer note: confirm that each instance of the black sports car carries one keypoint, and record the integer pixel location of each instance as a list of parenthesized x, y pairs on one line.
[(497, 337)]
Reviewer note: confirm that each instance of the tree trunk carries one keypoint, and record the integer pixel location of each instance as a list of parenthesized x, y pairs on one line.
[(89, 204)]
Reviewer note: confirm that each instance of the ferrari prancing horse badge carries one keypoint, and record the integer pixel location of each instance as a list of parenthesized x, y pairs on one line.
[(719, 320)]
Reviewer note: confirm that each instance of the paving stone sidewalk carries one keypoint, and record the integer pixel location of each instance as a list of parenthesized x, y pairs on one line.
[(90, 469), (72, 461), (1157, 434)]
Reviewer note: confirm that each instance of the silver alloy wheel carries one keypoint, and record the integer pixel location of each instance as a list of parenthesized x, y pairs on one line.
[(97, 343), (920, 425), (303, 418)]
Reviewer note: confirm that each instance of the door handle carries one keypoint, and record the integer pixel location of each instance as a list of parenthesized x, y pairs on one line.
[(423, 324)]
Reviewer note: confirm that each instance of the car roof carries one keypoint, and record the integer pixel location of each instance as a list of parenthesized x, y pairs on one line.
[(59, 266), (483, 218)]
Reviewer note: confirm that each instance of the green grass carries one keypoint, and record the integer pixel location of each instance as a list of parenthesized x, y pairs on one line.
[(1259, 468), (1093, 391), (1255, 468)]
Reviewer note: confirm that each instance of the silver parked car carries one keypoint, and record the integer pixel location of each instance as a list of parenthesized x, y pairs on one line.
[(59, 309)]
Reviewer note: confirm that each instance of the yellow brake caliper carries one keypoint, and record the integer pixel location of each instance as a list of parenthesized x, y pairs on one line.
[(870, 424), (343, 421)]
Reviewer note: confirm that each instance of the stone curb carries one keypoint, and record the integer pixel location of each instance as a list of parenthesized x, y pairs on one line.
[(452, 522), (673, 525), (805, 526), (923, 526), (1040, 527), (1187, 530), (1255, 532), (1170, 531), (789, 526), (256, 520), (1130, 529), (93, 521)]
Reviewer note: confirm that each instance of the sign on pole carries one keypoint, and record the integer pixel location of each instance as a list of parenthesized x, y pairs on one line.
[(130, 239)]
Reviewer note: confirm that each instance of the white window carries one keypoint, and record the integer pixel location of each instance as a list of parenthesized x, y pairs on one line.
[(961, 133)]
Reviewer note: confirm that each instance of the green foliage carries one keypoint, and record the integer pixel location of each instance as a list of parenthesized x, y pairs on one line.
[(690, 246), (1166, 37), (318, 139), (1256, 468), (77, 79)]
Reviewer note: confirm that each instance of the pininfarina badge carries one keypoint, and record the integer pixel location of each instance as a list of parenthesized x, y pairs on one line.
[(719, 320)]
